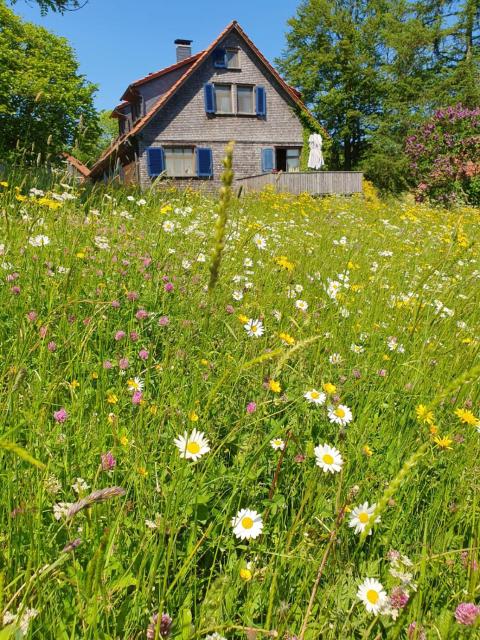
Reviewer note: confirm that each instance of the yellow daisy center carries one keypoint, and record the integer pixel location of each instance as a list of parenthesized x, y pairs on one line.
[(372, 596), (340, 413), (193, 447), (315, 395), (247, 523), (363, 517), (254, 327), (328, 459)]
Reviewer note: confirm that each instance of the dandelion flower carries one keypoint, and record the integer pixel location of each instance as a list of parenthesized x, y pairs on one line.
[(372, 594), (467, 417), (274, 386), (247, 524), (328, 458), (340, 414), (316, 397), (329, 388), (361, 516), (254, 328), (193, 446), (443, 443)]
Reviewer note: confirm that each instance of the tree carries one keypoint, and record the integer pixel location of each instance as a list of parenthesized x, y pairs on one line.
[(374, 70), (59, 6), (108, 131), (333, 58), (44, 101)]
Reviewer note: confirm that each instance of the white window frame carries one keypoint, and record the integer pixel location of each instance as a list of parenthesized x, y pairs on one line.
[(298, 154), (174, 173)]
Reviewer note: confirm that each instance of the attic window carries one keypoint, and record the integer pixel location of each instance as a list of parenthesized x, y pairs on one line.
[(232, 59)]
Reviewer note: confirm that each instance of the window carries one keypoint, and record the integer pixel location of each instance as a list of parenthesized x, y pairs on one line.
[(293, 159), (180, 162), (232, 59), (223, 98), (245, 100)]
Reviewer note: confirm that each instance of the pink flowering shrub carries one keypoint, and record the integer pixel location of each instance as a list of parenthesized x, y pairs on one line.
[(445, 157)]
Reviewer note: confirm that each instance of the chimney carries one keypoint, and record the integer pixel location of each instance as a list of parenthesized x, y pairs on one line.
[(184, 49)]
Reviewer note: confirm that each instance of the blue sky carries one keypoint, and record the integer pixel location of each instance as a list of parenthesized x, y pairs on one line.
[(118, 41)]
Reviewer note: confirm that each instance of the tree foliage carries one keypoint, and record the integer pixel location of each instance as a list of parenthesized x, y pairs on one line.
[(373, 70), (58, 6), (45, 104)]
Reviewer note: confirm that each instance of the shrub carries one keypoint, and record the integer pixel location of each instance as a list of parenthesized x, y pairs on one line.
[(445, 156)]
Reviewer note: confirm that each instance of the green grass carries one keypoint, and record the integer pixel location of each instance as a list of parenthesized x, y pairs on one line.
[(203, 364)]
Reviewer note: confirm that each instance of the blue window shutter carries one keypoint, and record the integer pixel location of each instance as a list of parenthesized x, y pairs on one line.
[(155, 161), (261, 101), (220, 58), (209, 95), (204, 162), (268, 160)]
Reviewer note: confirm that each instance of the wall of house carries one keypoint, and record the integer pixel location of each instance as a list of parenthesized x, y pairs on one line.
[(184, 119)]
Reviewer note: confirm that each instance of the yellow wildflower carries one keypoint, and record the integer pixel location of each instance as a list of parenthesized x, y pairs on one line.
[(20, 198), (204, 362), (94, 375), (111, 418), (329, 388), (153, 409), (243, 319), (124, 440), (367, 451), (433, 429), (142, 472), (80, 254), (112, 398), (286, 338), (192, 416), (467, 417), (166, 208), (274, 386), (245, 575), (74, 384), (424, 414), (3, 184), (284, 262), (443, 443)]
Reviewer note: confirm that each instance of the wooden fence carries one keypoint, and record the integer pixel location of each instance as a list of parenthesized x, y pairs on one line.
[(312, 182)]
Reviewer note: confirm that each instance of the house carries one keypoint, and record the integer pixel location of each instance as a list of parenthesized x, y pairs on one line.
[(177, 121)]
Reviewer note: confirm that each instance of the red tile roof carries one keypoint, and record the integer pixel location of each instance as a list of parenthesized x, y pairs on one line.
[(199, 59), (81, 168)]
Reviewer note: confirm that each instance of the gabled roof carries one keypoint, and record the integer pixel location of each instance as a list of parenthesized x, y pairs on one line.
[(81, 168), (162, 72), (199, 59)]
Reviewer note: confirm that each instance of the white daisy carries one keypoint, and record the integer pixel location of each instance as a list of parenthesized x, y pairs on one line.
[(168, 226), (335, 358), (301, 304), (357, 348), (372, 594), (328, 458), (254, 328), (277, 443), (39, 241), (317, 397), (193, 446), (260, 241), (340, 414), (237, 295), (247, 524), (360, 517), (215, 636), (135, 384)]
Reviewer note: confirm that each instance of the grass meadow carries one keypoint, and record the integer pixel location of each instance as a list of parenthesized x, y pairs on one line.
[(291, 454)]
